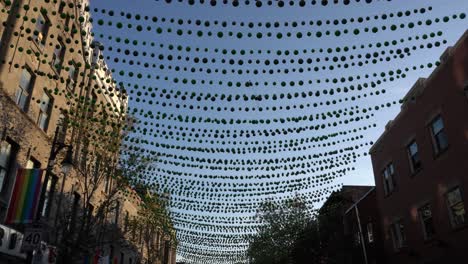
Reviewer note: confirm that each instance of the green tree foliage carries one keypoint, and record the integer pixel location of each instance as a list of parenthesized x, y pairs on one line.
[(155, 226), (287, 227), (292, 235)]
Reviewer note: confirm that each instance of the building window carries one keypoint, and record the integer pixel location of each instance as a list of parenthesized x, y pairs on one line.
[(57, 57), (425, 216), (63, 126), (388, 179), (45, 109), (456, 207), (413, 154), (42, 28), (439, 136), (72, 76), (24, 89), (397, 231), (49, 195), (6, 158), (370, 232)]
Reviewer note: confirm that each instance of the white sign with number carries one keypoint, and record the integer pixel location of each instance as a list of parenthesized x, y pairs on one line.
[(32, 239)]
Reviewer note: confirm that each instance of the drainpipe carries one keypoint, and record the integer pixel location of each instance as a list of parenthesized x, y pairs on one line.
[(358, 218)]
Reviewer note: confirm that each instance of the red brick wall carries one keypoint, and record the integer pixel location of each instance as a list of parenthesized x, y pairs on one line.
[(443, 94)]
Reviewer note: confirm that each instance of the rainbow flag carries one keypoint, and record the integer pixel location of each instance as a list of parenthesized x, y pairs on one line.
[(25, 196)]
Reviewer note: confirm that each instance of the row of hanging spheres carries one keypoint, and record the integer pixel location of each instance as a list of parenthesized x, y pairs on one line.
[(280, 3)]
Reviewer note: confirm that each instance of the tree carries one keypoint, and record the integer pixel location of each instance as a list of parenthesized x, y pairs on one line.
[(106, 172), (285, 225), (154, 224), (334, 244)]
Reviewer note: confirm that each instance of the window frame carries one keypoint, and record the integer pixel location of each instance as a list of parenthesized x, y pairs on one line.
[(7, 168), (401, 235), (42, 31), (434, 136), (388, 189), (58, 55), (25, 92), (411, 160), (72, 80), (422, 221), (47, 112), (450, 211)]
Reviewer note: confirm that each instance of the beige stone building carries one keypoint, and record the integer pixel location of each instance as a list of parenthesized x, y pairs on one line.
[(56, 92)]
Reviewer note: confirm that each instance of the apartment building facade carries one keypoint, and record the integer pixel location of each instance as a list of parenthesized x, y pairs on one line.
[(362, 227), (335, 240), (420, 168), (49, 72)]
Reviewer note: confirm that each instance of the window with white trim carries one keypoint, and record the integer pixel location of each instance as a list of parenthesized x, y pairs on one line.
[(45, 109), (413, 154), (456, 207), (23, 92), (439, 137), (42, 29), (72, 76), (58, 56)]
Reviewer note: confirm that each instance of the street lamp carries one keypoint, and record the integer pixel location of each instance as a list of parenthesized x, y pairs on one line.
[(67, 163)]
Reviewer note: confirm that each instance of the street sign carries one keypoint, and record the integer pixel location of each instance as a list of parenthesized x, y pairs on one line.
[(32, 239)]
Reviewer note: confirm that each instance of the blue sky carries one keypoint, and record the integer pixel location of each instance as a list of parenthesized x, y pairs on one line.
[(395, 90)]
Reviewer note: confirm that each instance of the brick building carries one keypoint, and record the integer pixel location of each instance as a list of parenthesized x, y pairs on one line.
[(363, 227), (420, 167), (335, 241), (48, 70)]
